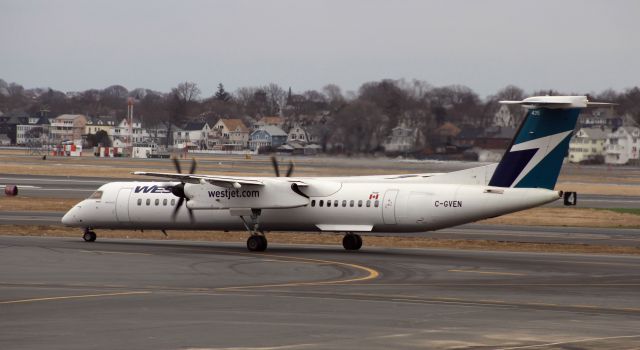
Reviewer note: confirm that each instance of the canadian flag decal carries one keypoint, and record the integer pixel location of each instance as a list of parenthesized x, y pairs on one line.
[(374, 195)]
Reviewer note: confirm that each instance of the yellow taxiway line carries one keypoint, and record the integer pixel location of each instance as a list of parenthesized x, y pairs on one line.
[(71, 297)]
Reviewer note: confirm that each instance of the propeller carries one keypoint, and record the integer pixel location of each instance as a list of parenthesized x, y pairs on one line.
[(276, 167), (178, 190)]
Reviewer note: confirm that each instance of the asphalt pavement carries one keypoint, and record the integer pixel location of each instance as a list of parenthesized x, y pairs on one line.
[(62, 293)]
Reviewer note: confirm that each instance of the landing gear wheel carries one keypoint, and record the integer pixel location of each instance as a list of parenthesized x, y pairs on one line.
[(89, 236), (352, 241), (257, 243)]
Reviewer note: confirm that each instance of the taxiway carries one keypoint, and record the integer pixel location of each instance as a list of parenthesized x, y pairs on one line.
[(61, 293)]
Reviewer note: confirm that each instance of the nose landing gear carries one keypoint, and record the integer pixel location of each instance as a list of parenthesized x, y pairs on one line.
[(352, 241), (89, 236)]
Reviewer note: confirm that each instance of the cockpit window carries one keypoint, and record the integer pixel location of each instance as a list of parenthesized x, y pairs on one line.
[(96, 195)]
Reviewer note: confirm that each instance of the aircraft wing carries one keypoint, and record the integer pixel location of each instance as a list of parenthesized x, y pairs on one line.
[(195, 179)]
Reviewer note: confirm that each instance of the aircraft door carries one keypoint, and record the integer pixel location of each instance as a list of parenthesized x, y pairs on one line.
[(389, 207), (122, 205)]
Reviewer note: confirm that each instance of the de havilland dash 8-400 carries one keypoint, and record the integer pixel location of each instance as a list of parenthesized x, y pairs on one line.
[(524, 178)]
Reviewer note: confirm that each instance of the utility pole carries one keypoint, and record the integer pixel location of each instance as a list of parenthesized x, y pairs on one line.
[(130, 122)]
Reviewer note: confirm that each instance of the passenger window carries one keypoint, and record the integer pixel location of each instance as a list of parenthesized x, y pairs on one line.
[(368, 203), (376, 203), (139, 201), (157, 201), (321, 203), (148, 201), (313, 203), (173, 202), (96, 195), (351, 203), (359, 203), (164, 201), (344, 203), (335, 203), (328, 204)]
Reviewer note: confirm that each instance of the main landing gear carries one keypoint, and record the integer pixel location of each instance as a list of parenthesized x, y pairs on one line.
[(257, 242), (352, 241), (89, 236)]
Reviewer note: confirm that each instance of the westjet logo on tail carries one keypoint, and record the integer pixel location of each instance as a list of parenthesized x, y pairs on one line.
[(152, 189), (543, 146), (540, 145)]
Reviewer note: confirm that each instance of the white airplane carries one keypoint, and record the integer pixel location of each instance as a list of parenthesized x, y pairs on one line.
[(524, 178)]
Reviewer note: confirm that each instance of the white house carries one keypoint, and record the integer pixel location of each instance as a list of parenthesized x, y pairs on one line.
[(36, 132), (503, 117), (622, 146), (131, 134), (403, 139), (193, 135), (588, 144)]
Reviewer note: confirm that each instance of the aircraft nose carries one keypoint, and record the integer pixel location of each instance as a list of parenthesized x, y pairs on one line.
[(71, 217)]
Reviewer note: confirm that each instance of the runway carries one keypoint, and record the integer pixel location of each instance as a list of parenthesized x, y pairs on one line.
[(60, 293)]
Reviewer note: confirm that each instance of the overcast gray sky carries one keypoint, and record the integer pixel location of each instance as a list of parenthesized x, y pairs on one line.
[(572, 46)]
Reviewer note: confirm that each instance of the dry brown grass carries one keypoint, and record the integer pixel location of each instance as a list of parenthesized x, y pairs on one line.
[(599, 189), (579, 217), (324, 239), (36, 204)]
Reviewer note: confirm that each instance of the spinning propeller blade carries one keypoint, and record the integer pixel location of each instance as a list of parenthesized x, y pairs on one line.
[(276, 167), (178, 190)]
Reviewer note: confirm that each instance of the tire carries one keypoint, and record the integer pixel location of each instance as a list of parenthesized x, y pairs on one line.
[(348, 241), (263, 243), (256, 243), (89, 236), (358, 244)]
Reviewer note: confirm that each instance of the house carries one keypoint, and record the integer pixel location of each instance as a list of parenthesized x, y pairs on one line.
[(503, 117), (193, 135), (158, 133), (298, 134), (35, 133), (442, 138), (129, 133), (622, 146), (101, 123), (403, 139), (5, 140), (495, 137), (9, 124), (468, 136), (67, 127), (269, 121), (229, 135), (267, 137), (588, 144)]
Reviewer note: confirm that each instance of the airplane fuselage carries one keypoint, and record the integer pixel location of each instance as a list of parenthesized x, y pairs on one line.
[(341, 207)]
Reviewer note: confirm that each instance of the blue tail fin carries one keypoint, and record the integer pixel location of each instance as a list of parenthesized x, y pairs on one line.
[(534, 158)]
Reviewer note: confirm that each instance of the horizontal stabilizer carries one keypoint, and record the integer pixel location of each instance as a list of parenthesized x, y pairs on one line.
[(557, 102)]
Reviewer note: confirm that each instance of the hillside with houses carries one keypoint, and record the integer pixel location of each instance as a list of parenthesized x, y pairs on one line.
[(390, 117)]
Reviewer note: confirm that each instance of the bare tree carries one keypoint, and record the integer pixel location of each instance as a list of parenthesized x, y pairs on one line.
[(179, 104)]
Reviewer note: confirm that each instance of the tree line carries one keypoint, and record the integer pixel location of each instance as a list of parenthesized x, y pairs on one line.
[(358, 121)]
